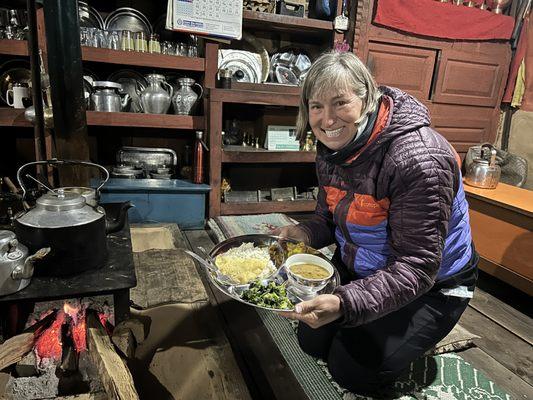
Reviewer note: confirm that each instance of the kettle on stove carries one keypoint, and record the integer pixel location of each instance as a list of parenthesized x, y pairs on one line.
[(16, 265), (483, 172), (75, 231)]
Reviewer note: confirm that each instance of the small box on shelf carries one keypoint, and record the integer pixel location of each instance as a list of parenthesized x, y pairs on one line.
[(281, 137)]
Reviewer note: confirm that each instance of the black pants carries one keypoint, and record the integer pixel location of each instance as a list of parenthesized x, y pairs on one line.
[(367, 357)]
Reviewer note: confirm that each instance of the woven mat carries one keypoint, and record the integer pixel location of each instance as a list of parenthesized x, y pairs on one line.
[(165, 274), (433, 377)]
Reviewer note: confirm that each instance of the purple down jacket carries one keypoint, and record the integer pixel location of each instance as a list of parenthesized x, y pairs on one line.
[(397, 212)]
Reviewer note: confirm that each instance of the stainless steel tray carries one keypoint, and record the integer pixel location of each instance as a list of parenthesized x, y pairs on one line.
[(235, 291), (130, 19), (147, 156)]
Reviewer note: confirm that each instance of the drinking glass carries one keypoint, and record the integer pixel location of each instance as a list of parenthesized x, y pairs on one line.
[(126, 41), (182, 50), (168, 48), (113, 40), (140, 42), (153, 44), (100, 39)]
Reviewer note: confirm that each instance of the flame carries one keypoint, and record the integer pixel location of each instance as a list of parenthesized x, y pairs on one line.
[(71, 311)]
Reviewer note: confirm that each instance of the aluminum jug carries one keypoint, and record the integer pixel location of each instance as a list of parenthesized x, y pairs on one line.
[(154, 98), (483, 172), (106, 97), (185, 98)]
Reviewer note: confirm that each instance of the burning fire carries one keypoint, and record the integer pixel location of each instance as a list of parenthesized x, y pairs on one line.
[(71, 321)]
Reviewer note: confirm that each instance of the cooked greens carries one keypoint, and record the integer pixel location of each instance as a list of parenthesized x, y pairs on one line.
[(271, 295)]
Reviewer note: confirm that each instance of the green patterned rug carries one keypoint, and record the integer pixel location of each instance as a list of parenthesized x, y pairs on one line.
[(442, 377)]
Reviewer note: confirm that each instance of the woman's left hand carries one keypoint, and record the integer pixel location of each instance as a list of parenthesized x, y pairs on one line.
[(321, 310)]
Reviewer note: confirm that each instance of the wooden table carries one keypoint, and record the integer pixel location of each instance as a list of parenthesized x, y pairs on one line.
[(502, 222)]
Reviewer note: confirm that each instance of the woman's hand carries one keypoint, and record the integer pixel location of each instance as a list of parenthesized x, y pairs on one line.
[(292, 232), (321, 310)]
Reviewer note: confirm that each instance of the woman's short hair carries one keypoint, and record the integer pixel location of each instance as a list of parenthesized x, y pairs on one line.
[(338, 71)]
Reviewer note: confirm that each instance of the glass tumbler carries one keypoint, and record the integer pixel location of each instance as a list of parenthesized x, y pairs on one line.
[(182, 49), (126, 41), (140, 43), (113, 40), (153, 44)]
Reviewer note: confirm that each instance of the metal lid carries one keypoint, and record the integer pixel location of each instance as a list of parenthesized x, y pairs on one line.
[(107, 85), (61, 201), (6, 237), (155, 76)]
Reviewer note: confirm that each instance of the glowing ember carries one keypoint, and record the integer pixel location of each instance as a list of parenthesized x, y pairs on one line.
[(49, 344), (77, 331)]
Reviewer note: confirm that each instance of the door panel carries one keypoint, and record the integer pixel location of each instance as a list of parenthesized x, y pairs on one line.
[(472, 79), (407, 68)]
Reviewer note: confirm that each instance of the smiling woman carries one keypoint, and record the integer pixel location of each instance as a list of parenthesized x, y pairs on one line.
[(391, 198)]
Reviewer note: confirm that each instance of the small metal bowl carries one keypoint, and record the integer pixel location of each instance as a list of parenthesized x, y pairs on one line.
[(307, 285)]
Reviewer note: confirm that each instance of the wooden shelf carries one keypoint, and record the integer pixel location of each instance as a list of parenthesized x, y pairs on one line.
[(266, 207), (285, 23), (255, 97), (142, 59), (15, 117), (14, 47), (250, 155), (139, 120)]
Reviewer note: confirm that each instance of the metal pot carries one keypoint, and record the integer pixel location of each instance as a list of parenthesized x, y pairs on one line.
[(483, 172), (74, 230), (106, 97), (16, 265)]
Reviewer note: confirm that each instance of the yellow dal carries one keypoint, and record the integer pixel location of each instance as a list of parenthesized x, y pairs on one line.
[(309, 271)]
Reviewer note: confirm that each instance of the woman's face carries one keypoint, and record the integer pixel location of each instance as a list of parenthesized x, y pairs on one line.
[(332, 117)]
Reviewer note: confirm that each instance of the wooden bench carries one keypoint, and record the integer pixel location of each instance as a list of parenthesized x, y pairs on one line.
[(502, 220)]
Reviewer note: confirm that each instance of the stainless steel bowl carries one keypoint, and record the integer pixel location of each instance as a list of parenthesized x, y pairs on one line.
[(308, 285)]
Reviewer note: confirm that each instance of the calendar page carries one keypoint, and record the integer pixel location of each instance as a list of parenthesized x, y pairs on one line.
[(208, 17)]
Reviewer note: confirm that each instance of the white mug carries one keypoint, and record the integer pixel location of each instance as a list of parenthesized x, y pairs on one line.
[(18, 92)]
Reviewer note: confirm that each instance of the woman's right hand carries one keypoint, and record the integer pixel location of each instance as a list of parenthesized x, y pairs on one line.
[(292, 232)]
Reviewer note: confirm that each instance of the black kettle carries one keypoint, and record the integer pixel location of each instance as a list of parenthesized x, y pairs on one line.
[(74, 230)]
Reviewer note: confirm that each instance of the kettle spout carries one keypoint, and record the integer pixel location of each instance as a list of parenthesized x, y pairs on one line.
[(115, 225), (25, 271)]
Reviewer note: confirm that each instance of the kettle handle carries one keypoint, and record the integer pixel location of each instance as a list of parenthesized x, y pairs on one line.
[(56, 162), (492, 153)]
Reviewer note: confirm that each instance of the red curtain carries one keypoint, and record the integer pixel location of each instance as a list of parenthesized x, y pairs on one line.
[(443, 20)]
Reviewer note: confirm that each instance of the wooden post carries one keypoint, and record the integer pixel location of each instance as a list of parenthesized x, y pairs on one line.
[(66, 79)]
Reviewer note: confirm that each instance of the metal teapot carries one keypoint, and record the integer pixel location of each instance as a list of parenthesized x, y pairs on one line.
[(74, 230), (16, 265), (483, 172), (106, 97)]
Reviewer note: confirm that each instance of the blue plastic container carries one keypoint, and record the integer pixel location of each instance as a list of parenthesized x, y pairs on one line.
[(159, 200)]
